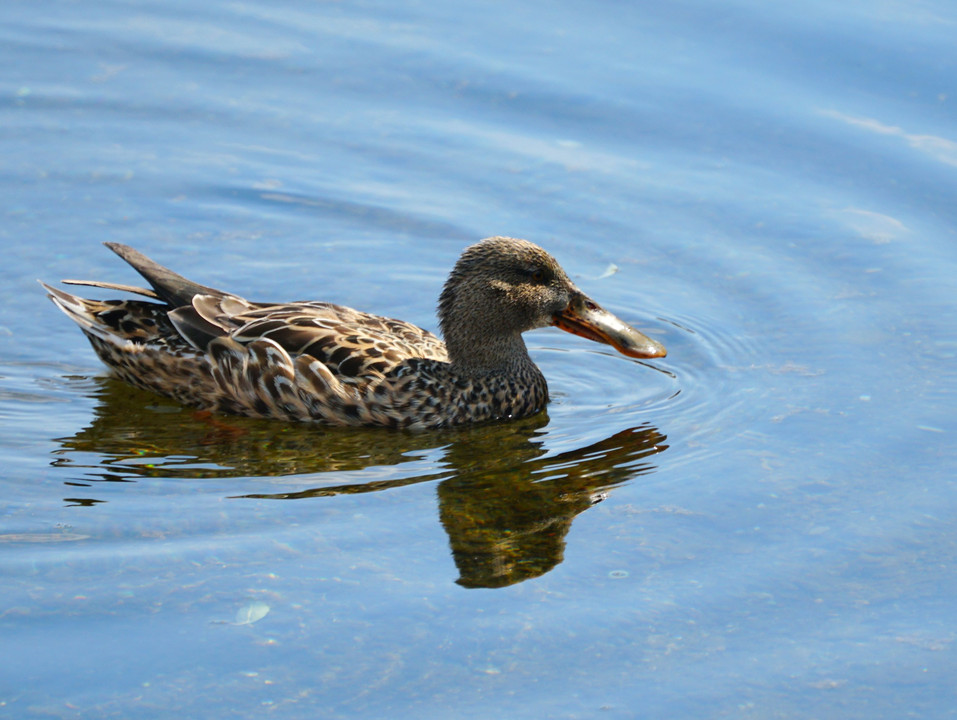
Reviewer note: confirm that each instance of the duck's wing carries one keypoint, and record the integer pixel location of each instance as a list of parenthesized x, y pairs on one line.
[(173, 289), (146, 292), (350, 343)]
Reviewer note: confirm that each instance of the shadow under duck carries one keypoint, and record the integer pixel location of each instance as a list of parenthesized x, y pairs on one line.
[(320, 362)]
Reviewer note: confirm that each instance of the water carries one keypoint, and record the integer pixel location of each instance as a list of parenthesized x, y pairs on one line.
[(759, 525)]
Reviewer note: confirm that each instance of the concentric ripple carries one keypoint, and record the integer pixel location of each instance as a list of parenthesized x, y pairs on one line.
[(697, 396)]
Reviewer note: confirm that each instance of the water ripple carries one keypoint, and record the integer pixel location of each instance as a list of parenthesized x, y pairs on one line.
[(713, 401)]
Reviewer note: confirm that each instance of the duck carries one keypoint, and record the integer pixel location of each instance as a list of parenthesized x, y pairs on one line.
[(313, 361)]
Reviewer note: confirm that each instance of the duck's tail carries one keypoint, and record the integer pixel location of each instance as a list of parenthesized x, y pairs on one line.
[(83, 312), (116, 322), (114, 319)]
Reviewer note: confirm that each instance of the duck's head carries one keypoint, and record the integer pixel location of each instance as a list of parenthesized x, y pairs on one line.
[(501, 287)]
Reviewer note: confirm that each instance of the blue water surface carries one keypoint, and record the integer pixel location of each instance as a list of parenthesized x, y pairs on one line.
[(760, 525)]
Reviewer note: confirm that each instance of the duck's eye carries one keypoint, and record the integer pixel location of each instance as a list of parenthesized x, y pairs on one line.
[(534, 274)]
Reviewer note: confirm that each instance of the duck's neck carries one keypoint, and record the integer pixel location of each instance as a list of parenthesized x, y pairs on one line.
[(481, 335), (478, 357)]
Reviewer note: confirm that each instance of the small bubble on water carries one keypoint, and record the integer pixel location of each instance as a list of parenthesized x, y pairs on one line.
[(618, 574)]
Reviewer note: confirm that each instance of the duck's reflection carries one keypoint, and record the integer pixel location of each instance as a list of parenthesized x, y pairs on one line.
[(507, 521), (505, 503)]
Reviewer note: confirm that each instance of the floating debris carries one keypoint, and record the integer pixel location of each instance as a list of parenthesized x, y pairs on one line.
[(609, 271), (251, 613)]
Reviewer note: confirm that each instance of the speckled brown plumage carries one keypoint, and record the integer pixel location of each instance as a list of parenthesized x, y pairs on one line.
[(315, 361)]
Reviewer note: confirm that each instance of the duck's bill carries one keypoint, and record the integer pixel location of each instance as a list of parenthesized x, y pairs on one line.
[(586, 318)]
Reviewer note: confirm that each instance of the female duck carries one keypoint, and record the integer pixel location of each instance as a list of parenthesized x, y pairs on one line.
[(315, 361)]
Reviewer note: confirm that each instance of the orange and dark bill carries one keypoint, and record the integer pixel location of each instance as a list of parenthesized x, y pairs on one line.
[(586, 318)]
